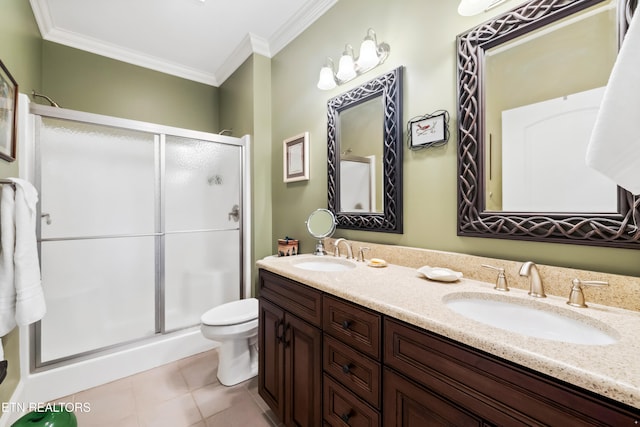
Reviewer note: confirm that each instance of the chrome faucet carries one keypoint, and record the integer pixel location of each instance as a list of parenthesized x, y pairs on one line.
[(576, 297), (501, 281), (361, 252), (536, 288), (336, 248)]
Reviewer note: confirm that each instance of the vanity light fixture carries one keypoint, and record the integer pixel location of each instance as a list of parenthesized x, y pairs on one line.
[(474, 7), (371, 55), (346, 66)]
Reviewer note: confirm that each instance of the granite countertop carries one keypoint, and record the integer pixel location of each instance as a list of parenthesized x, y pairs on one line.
[(402, 293)]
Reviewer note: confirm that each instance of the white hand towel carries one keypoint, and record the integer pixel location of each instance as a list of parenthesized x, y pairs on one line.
[(30, 303), (7, 245), (614, 148)]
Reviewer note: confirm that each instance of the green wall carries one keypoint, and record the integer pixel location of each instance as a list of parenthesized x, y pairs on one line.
[(245, 98), (21, 52), (83, 81), (422, 36)]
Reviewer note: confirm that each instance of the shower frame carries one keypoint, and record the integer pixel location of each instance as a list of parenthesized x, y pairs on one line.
[(160, 132)]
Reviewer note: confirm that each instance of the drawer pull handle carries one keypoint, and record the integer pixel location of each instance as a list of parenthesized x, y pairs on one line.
[(346, 368), (346, 324), (345, 417), (279, 331), (286, 339)]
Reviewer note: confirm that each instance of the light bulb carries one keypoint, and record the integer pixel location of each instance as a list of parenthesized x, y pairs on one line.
[(368, 55), (326, 80), (346, 68)]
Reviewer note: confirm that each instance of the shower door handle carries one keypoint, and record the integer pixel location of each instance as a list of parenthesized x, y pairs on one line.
[(46, 217), (235, 213)]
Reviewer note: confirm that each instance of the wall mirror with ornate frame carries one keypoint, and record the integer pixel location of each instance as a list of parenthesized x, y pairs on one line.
[(364, 138), (529, 87)]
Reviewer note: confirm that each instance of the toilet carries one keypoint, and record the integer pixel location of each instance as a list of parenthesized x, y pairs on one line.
[(235, 326)]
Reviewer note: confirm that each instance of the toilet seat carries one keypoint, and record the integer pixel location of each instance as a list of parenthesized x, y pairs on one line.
[(232, 313)]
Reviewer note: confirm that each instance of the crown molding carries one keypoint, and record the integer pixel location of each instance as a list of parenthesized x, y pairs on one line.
[(298, 23), (249, 45), (42, 14), (129, 56)]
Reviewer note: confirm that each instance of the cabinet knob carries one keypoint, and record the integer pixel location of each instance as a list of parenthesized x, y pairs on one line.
[(345, 417), (346, 368), (346, 324)]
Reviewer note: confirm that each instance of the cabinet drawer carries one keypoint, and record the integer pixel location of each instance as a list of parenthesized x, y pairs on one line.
[(352, 369), (343, 408), (355, 326), (296, 298)]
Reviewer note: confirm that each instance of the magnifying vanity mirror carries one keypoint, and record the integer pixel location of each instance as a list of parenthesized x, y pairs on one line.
[(320, 224), (530, 84), (364, 138)]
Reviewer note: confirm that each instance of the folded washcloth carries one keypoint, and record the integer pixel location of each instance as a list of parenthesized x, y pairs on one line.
[(614, 148)]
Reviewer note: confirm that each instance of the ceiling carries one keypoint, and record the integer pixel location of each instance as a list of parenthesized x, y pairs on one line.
[(200, 40)]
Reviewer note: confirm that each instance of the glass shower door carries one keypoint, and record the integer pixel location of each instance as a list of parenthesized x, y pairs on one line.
[(202, 223), (98, 236)]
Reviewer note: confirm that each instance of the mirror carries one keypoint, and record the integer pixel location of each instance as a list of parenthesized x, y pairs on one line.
[(364, 137), (549, 105), (360, 160), (320, 224), (529, 89)]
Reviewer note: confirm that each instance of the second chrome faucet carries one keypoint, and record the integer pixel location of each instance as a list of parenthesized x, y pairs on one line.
[(536, 288), (336, 250)]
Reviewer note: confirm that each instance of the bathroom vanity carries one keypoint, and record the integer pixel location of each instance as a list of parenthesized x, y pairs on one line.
[(369, 346)]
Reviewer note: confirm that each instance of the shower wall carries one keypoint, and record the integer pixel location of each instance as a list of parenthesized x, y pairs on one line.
[(141, 230)]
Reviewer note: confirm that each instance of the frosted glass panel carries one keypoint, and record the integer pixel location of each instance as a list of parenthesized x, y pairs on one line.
[(95, 180), (202, 270), (99, 293), (202, 184)]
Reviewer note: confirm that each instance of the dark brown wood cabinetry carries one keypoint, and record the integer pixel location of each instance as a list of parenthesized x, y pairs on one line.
[(351, 361), (326, 361), (493, 390), (409, 405), (290, 350)]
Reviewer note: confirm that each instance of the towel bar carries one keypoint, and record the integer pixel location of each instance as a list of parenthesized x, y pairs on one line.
[(7, 182)]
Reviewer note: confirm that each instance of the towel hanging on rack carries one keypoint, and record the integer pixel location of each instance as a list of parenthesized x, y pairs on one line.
[(614, 148), (7, 245), (21, 295)]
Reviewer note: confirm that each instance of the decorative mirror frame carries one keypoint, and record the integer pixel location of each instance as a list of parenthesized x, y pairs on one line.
[(614, 230), (389, 86)]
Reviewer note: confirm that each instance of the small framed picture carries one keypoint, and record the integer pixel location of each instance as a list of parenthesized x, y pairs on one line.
[(428, 130), (8, 107), (296, 158)]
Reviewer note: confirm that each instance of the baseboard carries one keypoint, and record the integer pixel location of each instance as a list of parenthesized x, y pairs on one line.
[(9, 416)]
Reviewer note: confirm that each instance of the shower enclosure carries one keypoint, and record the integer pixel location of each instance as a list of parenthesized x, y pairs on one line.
[(141, 230)]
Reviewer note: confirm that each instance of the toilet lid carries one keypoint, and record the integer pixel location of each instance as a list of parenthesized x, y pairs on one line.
[(232, 313)]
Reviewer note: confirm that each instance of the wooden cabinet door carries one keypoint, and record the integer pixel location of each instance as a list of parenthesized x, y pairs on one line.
[(303, 373), (408, 405), (271, 356)]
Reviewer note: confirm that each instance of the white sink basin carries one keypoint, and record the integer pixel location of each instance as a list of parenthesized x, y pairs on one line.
[(325, 264), (531, 318)]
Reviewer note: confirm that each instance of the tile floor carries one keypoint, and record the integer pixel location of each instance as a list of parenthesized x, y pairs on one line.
[(185, 393)]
